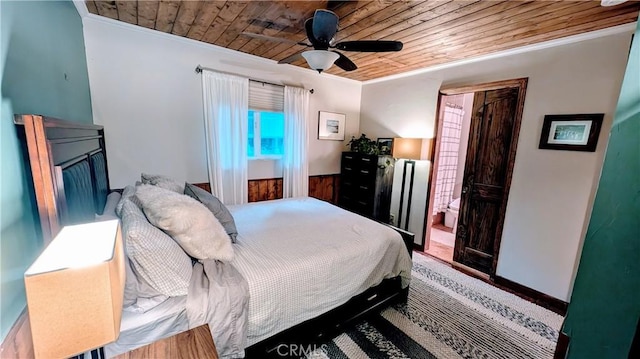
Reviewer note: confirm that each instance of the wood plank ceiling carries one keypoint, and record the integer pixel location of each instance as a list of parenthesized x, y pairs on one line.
[(433, 32)]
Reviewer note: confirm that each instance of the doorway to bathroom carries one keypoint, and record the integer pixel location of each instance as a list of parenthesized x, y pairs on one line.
[(474, 153), (454, 121)]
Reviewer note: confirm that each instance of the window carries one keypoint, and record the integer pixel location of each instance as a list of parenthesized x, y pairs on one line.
[(266, 120), (269, 127)]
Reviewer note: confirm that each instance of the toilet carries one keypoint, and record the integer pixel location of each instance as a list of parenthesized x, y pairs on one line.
[(451, 216)]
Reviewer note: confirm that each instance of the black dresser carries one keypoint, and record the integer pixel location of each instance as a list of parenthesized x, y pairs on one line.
[(365, 184)]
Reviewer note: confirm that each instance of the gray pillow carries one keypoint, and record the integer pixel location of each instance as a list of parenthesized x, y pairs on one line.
[(128, 193), (154, 256), (163, 182), (188, 221), (216, 207)]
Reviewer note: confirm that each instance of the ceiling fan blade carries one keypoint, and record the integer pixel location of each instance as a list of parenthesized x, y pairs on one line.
[(308, 26), (369, 46), (325, 25), (344, 63), (276, 39), (290, 59)]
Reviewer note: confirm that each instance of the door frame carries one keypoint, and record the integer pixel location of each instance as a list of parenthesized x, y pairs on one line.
[(521, 84)]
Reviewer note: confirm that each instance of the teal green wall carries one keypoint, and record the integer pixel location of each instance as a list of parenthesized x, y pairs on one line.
[(43, 70), (605, 305)]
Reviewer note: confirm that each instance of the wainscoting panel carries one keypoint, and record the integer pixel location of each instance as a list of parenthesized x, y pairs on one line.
[(323, 187), (205, 186), (265, 189)]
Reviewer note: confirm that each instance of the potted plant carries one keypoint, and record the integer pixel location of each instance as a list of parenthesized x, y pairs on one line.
[(363, 144)]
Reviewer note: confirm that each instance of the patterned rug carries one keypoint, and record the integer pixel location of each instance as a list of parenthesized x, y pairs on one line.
[(450, 315)]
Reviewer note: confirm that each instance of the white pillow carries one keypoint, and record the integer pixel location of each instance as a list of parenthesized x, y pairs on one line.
[(188, 221), (163, 182)]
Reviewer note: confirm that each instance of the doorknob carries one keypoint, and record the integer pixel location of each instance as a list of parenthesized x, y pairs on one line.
[(465, 189)]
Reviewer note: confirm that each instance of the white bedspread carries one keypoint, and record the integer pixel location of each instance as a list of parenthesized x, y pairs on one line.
[(303, 257)]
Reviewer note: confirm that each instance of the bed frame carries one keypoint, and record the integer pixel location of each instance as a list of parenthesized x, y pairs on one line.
[(68, 163)]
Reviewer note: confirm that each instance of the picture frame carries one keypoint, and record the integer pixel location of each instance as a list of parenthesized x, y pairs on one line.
[(571, 132), (385, 145), (331, 126)]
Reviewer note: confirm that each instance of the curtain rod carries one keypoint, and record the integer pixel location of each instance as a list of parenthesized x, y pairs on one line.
[(200, 68)]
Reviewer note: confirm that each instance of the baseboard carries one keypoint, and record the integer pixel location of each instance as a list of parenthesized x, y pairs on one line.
[(562, 347), (543, 300)]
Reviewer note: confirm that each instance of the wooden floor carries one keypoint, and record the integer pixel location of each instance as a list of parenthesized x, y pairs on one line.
[(437, 249), (486, 278), (440, 251)]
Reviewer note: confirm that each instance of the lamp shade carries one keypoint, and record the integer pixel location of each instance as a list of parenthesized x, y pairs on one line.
[(407, 148), (75, 290), (412, 148), (320, 60)]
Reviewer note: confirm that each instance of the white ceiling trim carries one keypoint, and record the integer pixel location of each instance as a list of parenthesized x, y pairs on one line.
[(528, 48), (81, 7), (222, 50), (84, 13)]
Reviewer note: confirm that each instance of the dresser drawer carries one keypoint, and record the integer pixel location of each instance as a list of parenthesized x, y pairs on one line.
[(364, 187), (366, 160), (365, 190), (349, 161), (350, 170)]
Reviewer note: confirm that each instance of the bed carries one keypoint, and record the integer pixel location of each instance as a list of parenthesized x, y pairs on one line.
[(296, 295)]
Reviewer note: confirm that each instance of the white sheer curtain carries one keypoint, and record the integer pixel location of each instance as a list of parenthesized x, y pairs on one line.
[(226, 107), (295, 166)]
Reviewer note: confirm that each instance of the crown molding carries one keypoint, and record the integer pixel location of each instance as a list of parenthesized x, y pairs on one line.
[(222, 50), (626, 28), (81, 8)]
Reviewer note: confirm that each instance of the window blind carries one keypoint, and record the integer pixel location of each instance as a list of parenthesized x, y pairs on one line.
[(266, 97)]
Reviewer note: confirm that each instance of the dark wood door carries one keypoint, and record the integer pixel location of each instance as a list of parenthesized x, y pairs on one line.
[(487, 176)]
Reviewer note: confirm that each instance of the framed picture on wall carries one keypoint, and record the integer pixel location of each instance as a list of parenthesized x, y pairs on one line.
[(571, 132), (331, 126), (385, 145)]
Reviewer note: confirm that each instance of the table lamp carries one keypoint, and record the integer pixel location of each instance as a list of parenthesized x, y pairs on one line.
[(75, 290)]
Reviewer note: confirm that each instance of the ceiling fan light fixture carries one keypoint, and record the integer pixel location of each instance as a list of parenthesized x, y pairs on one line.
[(320, 60), (611, 2)]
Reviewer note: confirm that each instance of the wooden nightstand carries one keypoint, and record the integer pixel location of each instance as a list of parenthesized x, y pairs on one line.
[(192, 344)]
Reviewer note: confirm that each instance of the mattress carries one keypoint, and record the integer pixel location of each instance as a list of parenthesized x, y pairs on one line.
[(301, 258)]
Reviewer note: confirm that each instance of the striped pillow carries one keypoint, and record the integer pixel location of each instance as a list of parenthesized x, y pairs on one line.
[(155, 256)]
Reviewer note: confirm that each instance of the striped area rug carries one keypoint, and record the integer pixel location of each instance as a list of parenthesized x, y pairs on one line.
[(450, 315)]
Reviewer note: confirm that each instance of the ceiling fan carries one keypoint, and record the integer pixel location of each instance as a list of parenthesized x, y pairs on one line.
[(321, 30)]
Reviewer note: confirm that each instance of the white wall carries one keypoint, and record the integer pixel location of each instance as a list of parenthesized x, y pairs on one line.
[(146, 93), (551, 191), (402, 108)]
